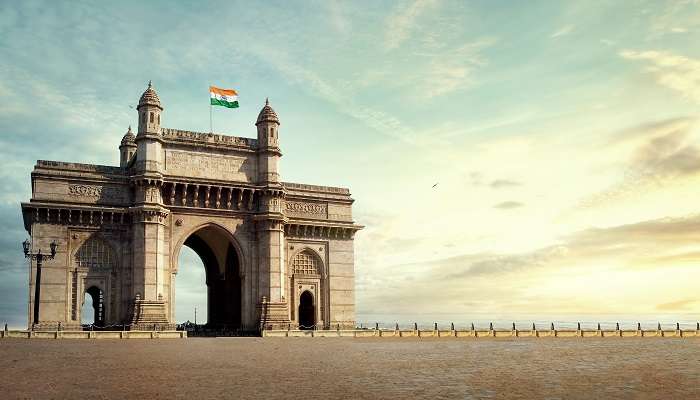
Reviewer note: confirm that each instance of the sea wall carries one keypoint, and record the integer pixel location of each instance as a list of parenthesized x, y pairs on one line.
[(680, 333), (94, 334)]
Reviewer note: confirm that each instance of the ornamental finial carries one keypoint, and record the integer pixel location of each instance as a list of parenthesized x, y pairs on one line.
[(149, 84), (267, 101)]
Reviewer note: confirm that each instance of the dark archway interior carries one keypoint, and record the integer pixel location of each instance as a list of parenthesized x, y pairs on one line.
[(223, 282), (307, 317), (97, 304)]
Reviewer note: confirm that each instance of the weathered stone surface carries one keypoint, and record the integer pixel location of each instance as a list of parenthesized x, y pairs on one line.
[(120, 230)]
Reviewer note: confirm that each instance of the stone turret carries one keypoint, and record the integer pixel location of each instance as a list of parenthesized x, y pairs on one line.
[(149, 109), (149, 139), (268, 144), (127, 148), (149, 217)]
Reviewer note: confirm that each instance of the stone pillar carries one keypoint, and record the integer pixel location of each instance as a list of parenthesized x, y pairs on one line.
[(274, 311), (150, 278)]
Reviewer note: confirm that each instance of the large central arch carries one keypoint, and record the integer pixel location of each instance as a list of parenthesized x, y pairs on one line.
[(223, 265)]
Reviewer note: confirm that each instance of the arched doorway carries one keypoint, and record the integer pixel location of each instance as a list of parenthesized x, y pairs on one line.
[(222, 276), (93, 307), (190, 298), (97, 277), (307, 317)]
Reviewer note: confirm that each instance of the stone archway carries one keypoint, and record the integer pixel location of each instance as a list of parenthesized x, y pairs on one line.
[(97, 304), (307, 311), (222, 265)]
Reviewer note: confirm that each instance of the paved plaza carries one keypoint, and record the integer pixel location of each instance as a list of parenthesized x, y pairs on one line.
[(336, 368)]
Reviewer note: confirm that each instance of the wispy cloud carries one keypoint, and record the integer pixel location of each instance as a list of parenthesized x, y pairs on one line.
[(678, 305), (652, 154), (676, 72), (503, 183), (674, 17), (315, 84), (508, 205), (401, 22), (454, 70), (592, 256), (563, 31), (336, 17)]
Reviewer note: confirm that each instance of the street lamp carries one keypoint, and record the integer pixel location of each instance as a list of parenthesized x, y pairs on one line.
[(39, 258)]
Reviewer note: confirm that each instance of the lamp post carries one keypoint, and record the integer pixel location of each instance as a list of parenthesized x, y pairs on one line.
[(39, 259)]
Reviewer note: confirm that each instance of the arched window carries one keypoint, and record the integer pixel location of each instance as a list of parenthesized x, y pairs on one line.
[(143, 117), (95, 254), (158, 119), (151, 117), (306, 263)]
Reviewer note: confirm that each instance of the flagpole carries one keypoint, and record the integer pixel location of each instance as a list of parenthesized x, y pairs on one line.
[(211, 124)]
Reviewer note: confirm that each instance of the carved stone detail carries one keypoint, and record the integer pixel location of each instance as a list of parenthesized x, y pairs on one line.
[(96, 192), (306, 208), (85, 191), (151, 215)]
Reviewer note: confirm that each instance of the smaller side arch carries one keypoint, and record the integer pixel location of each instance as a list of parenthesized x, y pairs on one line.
[(98, 304), (307, 310)]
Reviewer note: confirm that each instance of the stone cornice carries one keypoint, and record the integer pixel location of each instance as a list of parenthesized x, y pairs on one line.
[(149, 214), (314, 229), (217, 140), (148, 136), (315, 188), (44, 168), (73, 214), (320, 197), (270, 150)]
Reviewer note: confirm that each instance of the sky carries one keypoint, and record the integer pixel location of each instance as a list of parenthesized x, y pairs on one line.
[(563, 137)]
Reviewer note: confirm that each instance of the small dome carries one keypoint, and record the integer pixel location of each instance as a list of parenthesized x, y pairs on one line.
[(129, 138), (267, 114), (149, 97)]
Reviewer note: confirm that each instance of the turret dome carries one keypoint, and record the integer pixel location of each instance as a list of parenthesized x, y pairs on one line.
[(267, 114), (129, 138), (149, 97)]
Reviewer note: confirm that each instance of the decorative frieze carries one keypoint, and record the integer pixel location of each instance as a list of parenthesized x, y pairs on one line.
[(85, 191), (302, 209), (105, 193)]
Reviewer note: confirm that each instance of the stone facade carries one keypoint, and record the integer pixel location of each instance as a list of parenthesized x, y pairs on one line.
[(276, 254)]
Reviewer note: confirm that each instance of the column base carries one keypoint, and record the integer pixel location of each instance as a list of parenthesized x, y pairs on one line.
[(273, 315), (56, 326), (150, 315)]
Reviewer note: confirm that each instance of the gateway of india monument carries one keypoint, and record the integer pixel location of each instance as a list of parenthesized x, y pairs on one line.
[(276, 254)]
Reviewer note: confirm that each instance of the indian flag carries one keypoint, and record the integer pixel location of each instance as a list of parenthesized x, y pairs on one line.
[(223, 97)]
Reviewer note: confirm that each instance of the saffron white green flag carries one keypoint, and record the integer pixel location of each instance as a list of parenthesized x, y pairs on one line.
[(223, 97)]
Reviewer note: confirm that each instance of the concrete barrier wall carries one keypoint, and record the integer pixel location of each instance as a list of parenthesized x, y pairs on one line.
[(94, 334)]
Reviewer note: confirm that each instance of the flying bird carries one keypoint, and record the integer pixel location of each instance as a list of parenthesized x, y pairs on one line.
[(435, 185)]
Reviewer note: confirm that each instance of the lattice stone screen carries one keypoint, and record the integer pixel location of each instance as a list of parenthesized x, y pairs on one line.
[(305, 263), (95, 254)]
